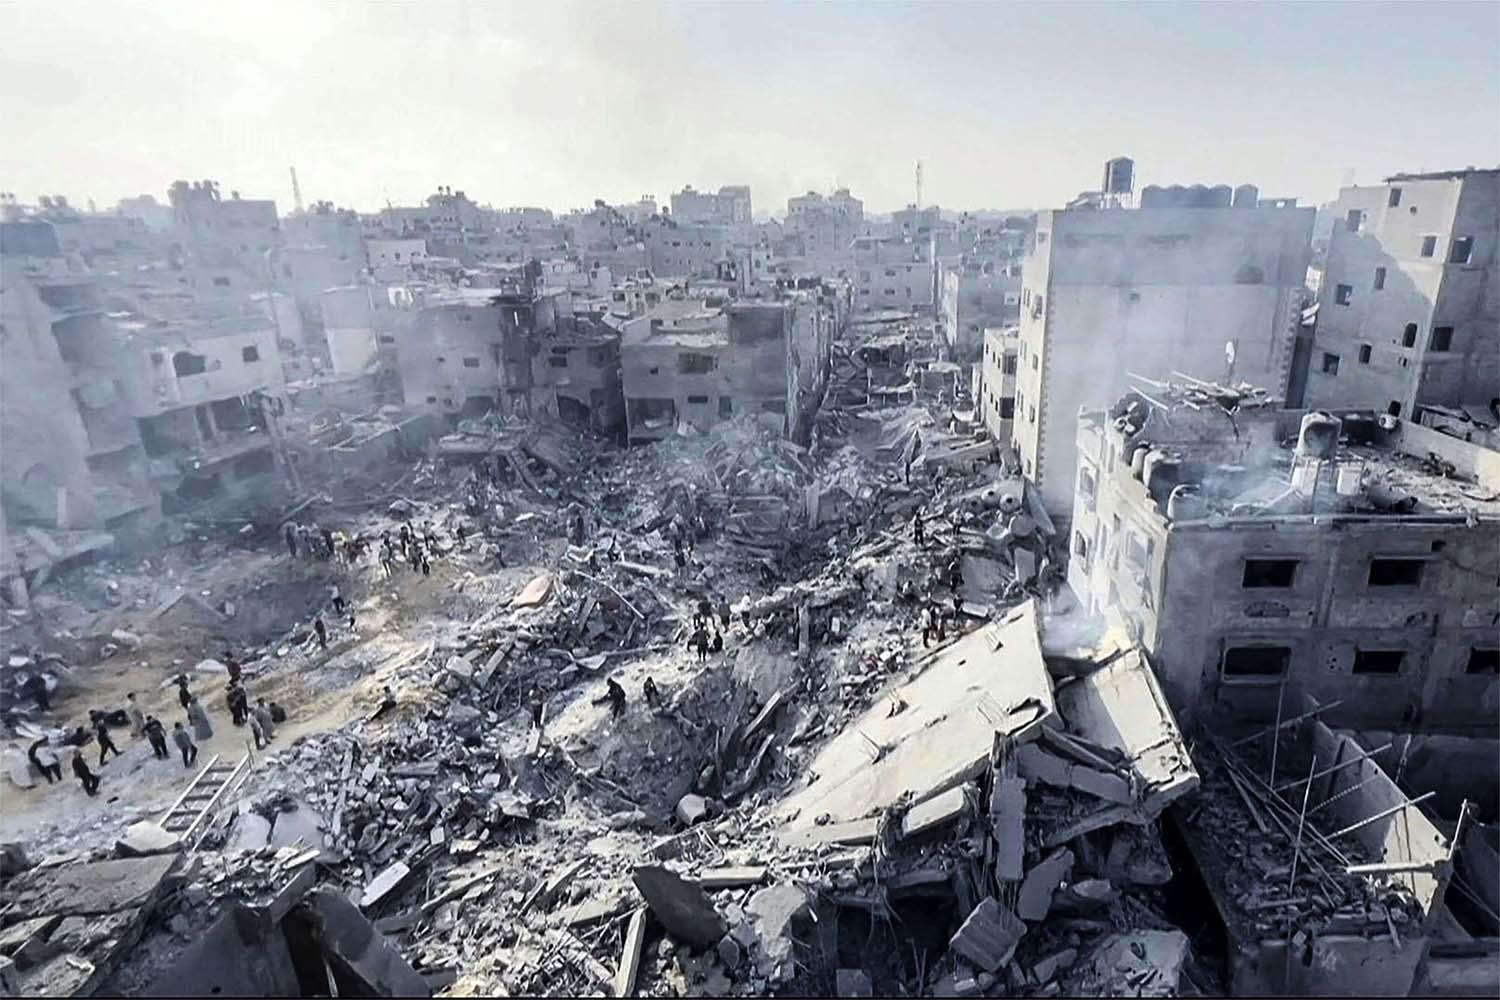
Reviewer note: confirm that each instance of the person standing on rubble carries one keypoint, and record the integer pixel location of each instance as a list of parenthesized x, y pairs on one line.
[(256, 732), (44, 759), (136, 716), (183, 694), (289, 532), (234, 699), (918, 533), (106, 745), (185, 743), (202, 729), (233, 666), (35, 688), (336, 597), (538, 705), (89, 779), (653, 696), (322, 632), (716, 645), (615, 695), (158, 737), (266, 720)]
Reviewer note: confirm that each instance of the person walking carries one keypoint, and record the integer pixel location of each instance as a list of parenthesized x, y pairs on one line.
[(538, 705), (137, 717), (183, 694), (87, 778), (158, 737), (106, 745), (184, 741), (202, 728), (266, 720), (322, 631)]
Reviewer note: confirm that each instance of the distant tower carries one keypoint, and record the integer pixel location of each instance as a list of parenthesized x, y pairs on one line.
[(918, 204), (1119, 181), (296, 193)]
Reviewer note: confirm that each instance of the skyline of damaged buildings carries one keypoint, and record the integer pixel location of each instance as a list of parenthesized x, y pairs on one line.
[(1289, 500)]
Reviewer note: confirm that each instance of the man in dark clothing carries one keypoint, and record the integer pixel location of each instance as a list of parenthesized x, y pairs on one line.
[(45, 760), (239, 703), (426, 566), (322, 631), (89, 779), (35, 688), (106, 745), (158, 737), (233, 665), (653, 696), (724, 611), (538, 705), (917, 532), (699, 643), (327, 539), (615, 695), (289, 531), (717, 645), (183, 694), (184, 741)]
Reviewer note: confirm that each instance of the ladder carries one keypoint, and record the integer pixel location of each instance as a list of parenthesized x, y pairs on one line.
[(188, 816)]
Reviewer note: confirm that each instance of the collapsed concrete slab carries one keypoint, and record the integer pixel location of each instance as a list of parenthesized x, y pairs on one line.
[(990, 681), (680, 906)]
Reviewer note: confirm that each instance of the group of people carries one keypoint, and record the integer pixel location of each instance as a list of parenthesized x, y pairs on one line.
[(706, 636), (262, 718)]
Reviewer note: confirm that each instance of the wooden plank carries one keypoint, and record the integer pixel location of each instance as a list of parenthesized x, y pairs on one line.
[(630, 954)]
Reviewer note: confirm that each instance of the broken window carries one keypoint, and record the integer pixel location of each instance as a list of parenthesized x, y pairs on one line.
[(1409, 335), (1351, 221), (1080, 546), (1429, 246), (557, 361), (1364, 353), (386, 338), (698, 400), (1342, 294), (1394, 199), (1442, 338), (1460, 249), (1396, 572), (1256, 662), (1031, 414), (1483, 661), (250, 354), (695, 364), (471, 362), (1009, 364), (1007, 408), (1330, 363), (726, 407), (1379, 278), (1269, 573), (188, 363), (1378, 661), (1086, 483)]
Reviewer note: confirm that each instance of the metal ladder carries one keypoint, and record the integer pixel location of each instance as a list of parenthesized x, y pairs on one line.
[(188, 816)]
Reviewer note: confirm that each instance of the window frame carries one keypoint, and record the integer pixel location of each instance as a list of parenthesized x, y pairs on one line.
[(1254, 679), (1245, 565)]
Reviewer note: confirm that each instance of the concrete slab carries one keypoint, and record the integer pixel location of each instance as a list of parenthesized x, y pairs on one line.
[(343, 931), (1121, 706), (681, 906), (988, 938), (98, 887), (991, 680)]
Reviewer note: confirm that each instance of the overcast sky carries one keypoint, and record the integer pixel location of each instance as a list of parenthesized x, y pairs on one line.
[(1007, 105)]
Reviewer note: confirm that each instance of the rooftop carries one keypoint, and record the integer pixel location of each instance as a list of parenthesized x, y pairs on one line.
[(687, 322), (1443, 175)]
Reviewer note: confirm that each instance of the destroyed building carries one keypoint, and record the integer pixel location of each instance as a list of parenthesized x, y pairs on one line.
[(226, 240), (1351, 554), (995, 392), (699, 364), (973, 299), (74, 457), (1408, 315), (1204, 290)]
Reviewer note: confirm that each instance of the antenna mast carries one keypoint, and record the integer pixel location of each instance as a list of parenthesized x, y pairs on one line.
[(919, 185), (296, 192)]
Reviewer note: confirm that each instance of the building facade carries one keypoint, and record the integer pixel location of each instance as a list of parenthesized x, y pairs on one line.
[(1344, 568), (995, 395), (1214, 293), (1409, 305)]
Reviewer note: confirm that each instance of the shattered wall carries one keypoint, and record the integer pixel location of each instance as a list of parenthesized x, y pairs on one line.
[(451, 355)]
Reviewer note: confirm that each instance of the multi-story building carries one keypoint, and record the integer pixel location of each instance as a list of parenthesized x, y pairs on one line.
[(680, 249), (824, 229), (685, 361), (1409, 305), (1357, 567), (73, 455), (995, 391), (893, 273), (1215, 293), (729, 207), (394, 257), (973, 300), (227, 240)]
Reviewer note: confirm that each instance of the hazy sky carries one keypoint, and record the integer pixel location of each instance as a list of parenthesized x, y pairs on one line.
[(1006, 104)]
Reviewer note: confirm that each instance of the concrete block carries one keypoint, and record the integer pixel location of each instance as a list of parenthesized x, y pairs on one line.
[(1035, 898), (681, 906), (989, 936), (777, 908), (345, 932)]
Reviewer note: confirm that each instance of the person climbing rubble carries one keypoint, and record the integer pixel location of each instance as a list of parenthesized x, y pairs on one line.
[(198, 718), (136, 716), (918, 533), (183, 694), (932, 626), (157, 735), (322, 633), (87, 778), (336, 598), (106, 745), (651, 694), (184, 741), (698, 642), (44, 759)]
